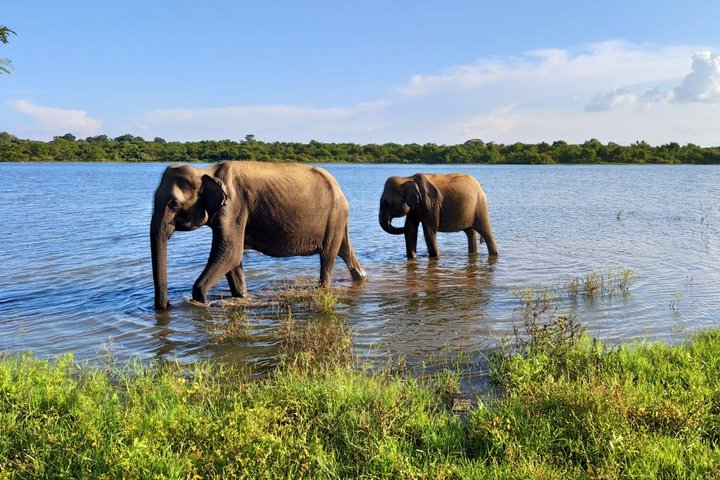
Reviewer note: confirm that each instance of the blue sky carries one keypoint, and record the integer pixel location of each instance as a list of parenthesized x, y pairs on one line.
[(366, 72)]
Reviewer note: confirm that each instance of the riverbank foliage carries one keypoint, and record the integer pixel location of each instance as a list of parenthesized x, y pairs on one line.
[(568, 408), (128, 148)]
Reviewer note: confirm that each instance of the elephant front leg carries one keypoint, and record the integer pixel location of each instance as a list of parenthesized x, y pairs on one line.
[(224, 256), (430, 241), (411, 233), (236, 281)]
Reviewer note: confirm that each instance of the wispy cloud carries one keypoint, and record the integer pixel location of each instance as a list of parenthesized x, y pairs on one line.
[(264, 121), (611, 100), (50, 121), (597, 65)]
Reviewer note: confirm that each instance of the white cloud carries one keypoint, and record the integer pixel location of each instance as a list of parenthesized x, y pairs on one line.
[(56, 121), (542, 95), (611, 100), (703, 84), (547, 95), (656, 95), (496, 124), (597, 66)]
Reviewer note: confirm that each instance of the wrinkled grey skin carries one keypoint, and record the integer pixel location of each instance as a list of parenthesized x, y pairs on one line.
[(280, 210), (441, 203)]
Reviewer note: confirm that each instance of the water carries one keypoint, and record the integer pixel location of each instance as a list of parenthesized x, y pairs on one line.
[(75, 271)]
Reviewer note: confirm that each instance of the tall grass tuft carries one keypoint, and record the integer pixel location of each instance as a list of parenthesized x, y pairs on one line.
[(318, 342), (594, 284)]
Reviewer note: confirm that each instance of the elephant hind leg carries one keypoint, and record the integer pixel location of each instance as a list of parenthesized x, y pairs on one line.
[(327, 263), (483, 227), (236, 281), (330, 249), (347, 253), (472, 240)]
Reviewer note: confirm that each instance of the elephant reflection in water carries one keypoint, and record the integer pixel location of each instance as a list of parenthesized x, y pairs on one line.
[(427, 289), (425, 307)]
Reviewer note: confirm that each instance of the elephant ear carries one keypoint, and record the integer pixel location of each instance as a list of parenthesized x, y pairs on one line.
[(411, 194), (213, 195), (431, 199)]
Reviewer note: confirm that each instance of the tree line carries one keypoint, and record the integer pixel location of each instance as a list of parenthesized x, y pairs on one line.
[(129, 148)]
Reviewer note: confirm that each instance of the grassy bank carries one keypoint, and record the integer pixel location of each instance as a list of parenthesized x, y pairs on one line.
[(571, 409)]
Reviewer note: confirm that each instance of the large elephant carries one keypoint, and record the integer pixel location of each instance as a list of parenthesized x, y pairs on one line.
[(441, 203), (280, 210)]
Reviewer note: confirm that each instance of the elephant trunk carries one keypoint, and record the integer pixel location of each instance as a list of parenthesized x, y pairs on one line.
[(386, 224), (160, 231)]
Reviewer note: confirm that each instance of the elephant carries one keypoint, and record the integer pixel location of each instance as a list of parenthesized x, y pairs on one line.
[(280, 210), (441, 203)]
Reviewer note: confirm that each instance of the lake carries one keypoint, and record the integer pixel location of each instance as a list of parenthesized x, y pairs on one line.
[(75, 271)]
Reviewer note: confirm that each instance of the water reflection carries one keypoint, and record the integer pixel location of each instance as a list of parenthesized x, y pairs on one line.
[(422, 305)]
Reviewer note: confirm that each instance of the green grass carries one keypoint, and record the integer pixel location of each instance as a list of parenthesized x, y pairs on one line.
[(563, 406), (576, 411)]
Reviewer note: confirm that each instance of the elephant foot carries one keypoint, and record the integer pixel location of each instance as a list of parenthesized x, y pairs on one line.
[(239, 293), (162, 306), (358, 274), (198, 295)]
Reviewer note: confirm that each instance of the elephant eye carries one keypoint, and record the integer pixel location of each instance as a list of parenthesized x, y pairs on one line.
[(174, 204)]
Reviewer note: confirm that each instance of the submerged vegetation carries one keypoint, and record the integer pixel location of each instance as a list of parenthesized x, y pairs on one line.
[(591, 285), (128, 148), (565, 406)]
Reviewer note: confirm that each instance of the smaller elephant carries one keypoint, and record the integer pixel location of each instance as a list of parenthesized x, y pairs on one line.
[(441, 203)]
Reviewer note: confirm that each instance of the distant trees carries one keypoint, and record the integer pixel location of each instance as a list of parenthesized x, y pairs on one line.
[(5, 63), (129, 148), (68, 136)]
